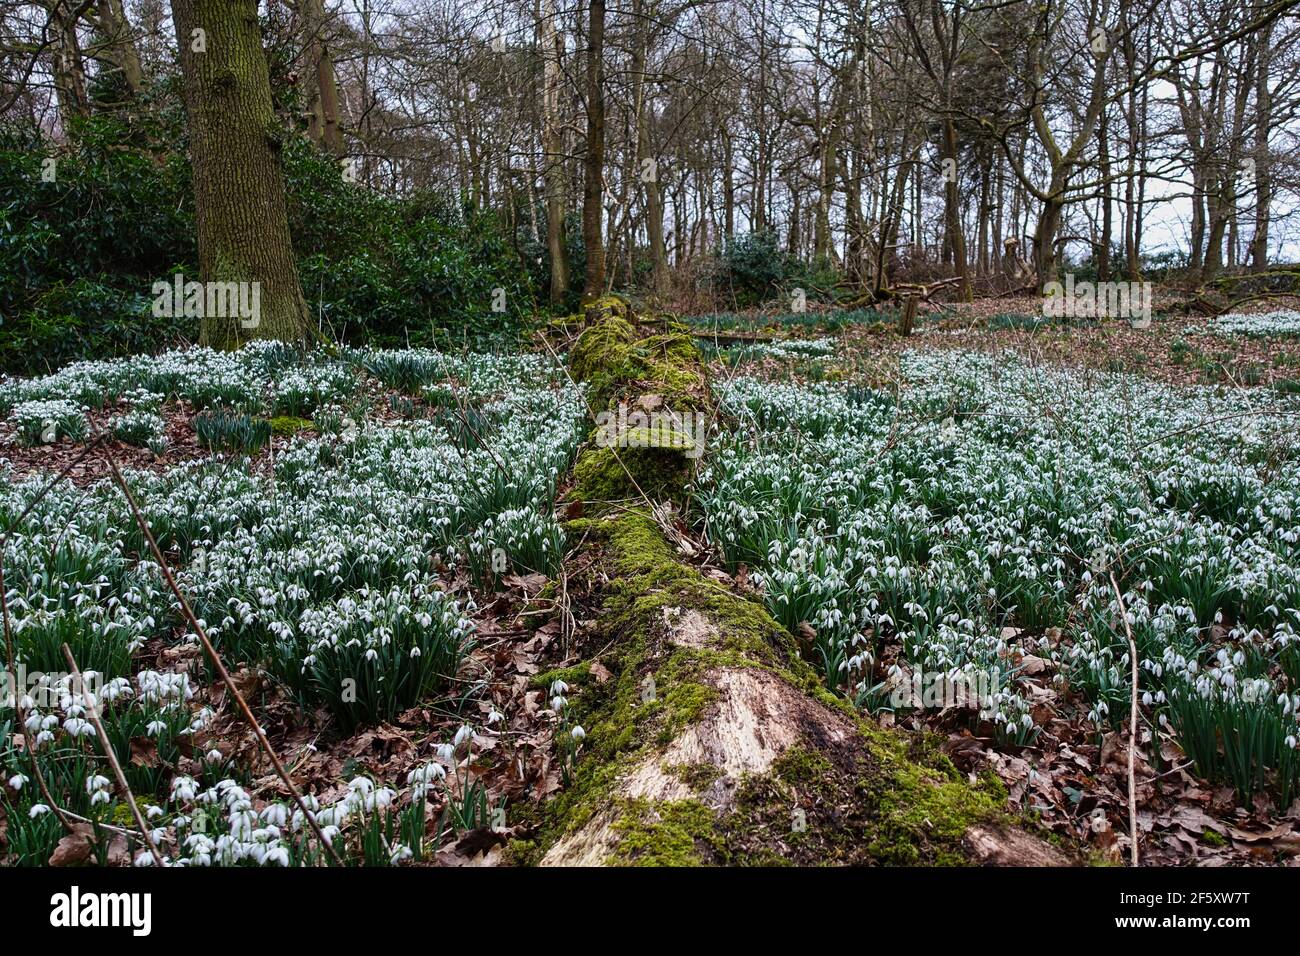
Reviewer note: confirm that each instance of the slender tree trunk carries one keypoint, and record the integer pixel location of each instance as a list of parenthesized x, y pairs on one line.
[(119, 44), (235, 143), (1262, 161), (952, 212), (552, 45), (1107, 223), (1196, 254), (1218, 222), (796, 211), (982, 227), (66, 64), (322, 86), (594, 163), (728, 186), (646, 170)]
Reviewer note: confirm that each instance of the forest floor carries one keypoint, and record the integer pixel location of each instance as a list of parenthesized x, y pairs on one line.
[(514, 747)]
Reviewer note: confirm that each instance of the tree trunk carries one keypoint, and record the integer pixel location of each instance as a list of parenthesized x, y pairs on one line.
[(1218, 223), (728, 186), (322, 86), (1263, 171), (952, 212), (119, 45), (1049, 224), (66, 65), (647, 163), (235, 142), (1107, 222), (594, 162), (552, 45)]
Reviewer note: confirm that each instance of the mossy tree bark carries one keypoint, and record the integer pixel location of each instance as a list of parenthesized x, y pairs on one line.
[(235, 141)]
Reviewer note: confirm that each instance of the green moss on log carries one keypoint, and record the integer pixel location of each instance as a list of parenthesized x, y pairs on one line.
[(617, 474), (616, 363), (851, 792), (876, 798)]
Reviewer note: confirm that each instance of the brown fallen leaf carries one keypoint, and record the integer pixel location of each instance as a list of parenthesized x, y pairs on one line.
[(144, 752), (75, 848), (475, 848), (1283, 837), (119, 854), (1032, 665)]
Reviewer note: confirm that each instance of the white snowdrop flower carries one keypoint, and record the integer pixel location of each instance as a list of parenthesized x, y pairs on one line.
[(155, 727), (184, 789), (38, 809), (426, 773), (559, 687), (401, 853), (17, 780), (577, 733), (463, 734)]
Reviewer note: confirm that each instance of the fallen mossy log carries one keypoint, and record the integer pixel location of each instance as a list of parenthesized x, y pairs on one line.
[(708, 739)]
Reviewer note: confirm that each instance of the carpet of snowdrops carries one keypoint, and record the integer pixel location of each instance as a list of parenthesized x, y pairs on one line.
[(1281, 323), (324, 568), (972, 519)]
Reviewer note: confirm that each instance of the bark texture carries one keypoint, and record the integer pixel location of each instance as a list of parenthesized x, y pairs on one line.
[(235, 143)]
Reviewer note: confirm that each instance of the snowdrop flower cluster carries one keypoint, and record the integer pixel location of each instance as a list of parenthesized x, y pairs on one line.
[(326, 573), (980, 498), (1281, 323), (140, 427), (787, 349), (48, 420)]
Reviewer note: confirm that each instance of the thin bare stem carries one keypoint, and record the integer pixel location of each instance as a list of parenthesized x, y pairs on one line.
[(220, 667), (92, 711), (1132, 721)]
